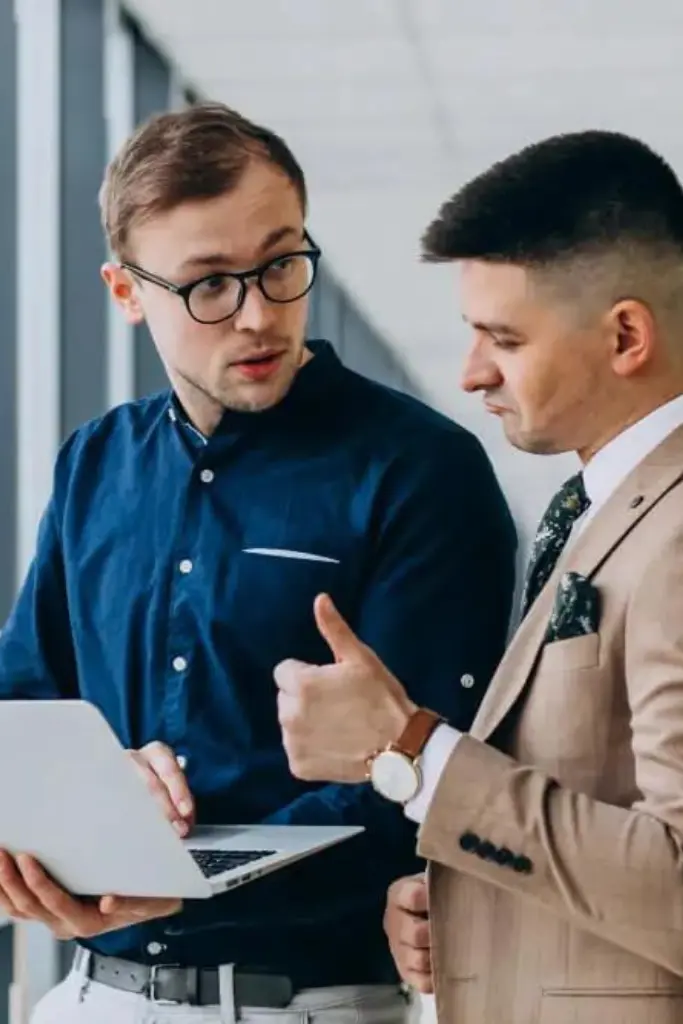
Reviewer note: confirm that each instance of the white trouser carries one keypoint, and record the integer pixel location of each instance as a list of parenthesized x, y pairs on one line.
[(72, 1002)]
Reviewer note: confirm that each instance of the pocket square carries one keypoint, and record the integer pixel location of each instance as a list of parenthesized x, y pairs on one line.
[(577, 609)]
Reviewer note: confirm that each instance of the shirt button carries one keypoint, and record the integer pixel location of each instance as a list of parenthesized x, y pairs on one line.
[(467, 681), (185, 566), (154, 948), (179, 664), (206, 476), (172, 415)]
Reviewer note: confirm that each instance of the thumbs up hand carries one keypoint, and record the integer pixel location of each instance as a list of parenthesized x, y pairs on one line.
[(334, 717)]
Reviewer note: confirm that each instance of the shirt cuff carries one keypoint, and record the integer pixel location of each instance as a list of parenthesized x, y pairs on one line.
[(435, 756)]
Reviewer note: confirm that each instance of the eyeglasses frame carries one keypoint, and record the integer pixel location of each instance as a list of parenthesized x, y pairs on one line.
[(184, 291)]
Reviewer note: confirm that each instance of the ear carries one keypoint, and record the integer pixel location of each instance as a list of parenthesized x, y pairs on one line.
[(122, 290), (634, 332)]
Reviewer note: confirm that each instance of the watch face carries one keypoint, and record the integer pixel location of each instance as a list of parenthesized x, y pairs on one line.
[(395, 777)]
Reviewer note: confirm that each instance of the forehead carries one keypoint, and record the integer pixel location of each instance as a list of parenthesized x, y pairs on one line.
[(234, 223), (496, 292)]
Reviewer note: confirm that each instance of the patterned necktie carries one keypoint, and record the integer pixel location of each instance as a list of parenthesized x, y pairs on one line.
[(570, 502)]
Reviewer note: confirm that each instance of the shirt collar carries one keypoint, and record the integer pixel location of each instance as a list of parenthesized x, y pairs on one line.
[(613, 463), (310, 388)]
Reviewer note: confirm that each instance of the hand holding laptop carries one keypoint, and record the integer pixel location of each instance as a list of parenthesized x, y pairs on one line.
[(163, 774), (105, 825), (27, 893)]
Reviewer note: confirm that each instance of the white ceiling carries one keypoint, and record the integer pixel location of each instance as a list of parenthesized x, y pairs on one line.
[(390, 105)]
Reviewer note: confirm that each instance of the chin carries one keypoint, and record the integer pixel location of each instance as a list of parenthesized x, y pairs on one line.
[(250, 402), (257, 398), (535, 445), (525, 441)]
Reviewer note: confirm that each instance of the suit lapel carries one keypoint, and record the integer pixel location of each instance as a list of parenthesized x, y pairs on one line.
[(516, 666), (630, 503)]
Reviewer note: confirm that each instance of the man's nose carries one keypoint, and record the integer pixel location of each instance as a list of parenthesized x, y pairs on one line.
[(480, 372), (256, 312)]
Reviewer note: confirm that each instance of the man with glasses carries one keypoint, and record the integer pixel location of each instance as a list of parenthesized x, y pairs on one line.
[(178, 563)]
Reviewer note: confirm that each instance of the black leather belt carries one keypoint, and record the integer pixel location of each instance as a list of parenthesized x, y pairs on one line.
[(193, 986)]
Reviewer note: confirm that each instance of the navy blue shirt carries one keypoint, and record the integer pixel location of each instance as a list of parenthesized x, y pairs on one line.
[(151, 596)]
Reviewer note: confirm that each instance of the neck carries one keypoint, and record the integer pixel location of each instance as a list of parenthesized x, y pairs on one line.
[(203, 412), (636, 412)]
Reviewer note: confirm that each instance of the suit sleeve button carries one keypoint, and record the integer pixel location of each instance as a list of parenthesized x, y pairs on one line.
[(504, 856), (487, 851), (469, 842)]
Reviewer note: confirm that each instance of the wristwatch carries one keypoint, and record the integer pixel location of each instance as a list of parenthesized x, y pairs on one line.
[(395, 771)]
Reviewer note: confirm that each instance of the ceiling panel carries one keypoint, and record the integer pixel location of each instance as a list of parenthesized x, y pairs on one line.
[(305, 60), (272, 19), (591, 20)]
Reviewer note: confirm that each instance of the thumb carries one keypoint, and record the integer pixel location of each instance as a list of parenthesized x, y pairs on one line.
[(335, 630)]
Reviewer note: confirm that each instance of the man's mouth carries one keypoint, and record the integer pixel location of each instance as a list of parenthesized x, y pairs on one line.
[(259, 367), (493, 406)]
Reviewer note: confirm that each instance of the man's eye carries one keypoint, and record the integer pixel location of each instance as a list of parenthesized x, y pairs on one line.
[(212, 285), (280, 266)]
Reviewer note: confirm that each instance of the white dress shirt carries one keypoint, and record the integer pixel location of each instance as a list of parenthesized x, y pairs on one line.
[(602, 475)]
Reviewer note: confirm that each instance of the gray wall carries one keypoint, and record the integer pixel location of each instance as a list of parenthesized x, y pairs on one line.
[(335, 316), (83, 155), (152, 95), (8, 283)]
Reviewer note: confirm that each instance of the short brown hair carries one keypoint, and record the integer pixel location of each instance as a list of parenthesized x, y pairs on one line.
[(197, 153)]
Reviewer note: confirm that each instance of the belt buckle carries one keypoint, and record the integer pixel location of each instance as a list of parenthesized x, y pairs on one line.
[(152, 987)]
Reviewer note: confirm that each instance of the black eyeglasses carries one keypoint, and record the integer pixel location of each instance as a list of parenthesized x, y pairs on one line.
[(218, 296)]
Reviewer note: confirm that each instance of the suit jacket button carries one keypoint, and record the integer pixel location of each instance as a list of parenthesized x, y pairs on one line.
[(504, 857), (469, 842), (522, 865), (487, 851)]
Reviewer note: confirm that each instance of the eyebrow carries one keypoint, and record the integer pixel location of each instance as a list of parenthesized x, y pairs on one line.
[(493, 327), (221, 259)]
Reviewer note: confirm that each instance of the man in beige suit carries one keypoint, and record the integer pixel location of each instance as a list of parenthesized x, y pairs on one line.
[(554, 830)]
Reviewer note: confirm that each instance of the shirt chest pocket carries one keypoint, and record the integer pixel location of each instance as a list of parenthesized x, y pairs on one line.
[(288, 554)]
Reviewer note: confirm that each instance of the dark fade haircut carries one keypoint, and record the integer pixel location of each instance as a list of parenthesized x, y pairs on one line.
[(193, 154), (567, 197)]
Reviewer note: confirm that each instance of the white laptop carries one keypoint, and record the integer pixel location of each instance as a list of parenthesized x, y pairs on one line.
[(72, 797)]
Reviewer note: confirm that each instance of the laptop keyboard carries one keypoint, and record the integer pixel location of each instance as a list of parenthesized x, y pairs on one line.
[(214, 862)]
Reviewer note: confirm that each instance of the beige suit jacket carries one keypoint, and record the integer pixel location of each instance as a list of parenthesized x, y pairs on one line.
[(580, 919)]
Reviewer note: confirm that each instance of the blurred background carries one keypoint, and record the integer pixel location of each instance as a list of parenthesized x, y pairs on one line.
[(390, 105)]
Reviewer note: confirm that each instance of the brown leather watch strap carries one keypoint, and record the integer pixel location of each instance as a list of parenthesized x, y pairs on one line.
[(414, 737)]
